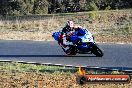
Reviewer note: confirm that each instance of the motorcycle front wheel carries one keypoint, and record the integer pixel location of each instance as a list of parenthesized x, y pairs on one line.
[(97, 51), (71, 51)]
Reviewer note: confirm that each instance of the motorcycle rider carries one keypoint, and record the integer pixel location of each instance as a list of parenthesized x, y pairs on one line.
[(65, 35), (67, 31)]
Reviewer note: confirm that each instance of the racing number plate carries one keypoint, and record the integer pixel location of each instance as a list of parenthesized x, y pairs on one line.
[(88, 38)]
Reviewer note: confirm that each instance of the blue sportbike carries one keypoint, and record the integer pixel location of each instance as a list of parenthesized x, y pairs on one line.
[(83, 43)]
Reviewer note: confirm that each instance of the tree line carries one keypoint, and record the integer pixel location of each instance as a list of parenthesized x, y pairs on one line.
[(28, 7)]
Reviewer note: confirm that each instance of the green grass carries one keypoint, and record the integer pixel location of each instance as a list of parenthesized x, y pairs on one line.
[(20, 67)]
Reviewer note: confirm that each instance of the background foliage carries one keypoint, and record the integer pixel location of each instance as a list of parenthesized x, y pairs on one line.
[(27, 7)]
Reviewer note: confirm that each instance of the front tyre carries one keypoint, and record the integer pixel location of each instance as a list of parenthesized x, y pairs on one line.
[(97, 51)]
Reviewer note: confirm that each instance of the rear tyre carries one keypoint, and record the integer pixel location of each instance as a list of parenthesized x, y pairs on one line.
[(97, 51)]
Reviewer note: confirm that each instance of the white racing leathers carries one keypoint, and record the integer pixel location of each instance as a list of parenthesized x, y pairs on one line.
[(66, 43)]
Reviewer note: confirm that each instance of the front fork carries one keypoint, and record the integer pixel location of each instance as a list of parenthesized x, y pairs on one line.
[(91, 47)]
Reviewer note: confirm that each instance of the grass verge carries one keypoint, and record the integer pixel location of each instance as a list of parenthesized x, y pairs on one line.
[(18, 75)]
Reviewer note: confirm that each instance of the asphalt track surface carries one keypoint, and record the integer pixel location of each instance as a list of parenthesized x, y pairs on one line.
[(115, 55)]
